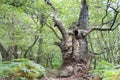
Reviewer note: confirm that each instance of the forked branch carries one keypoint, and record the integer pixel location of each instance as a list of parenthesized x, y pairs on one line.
[(57, 22), (111, 22)]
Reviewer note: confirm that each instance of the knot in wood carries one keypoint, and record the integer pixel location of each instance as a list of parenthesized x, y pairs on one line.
[(79, 34)]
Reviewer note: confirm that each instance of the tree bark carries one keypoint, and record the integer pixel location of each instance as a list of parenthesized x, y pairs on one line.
[(8, 53), (75, 56), (39, 52), (3, 52), (74, 46), (14, 51)]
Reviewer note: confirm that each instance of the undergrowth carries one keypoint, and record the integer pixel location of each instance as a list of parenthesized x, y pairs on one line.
[(107, 71), (21, 69)]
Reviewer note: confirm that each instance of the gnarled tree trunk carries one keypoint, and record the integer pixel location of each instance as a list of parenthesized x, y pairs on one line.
[(73, 45), (75, 51)]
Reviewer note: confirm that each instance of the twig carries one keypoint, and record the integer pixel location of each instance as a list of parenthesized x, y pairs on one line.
[(106, 12), (54, 31), (102, 29), (111, 28)]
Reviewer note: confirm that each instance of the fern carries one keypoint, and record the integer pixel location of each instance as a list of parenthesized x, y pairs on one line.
[(21, 68)]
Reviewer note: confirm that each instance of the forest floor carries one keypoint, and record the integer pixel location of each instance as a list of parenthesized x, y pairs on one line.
[(53, 75)]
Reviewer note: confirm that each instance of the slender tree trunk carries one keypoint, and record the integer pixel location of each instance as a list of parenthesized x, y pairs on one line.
[(15, 49), (6, 54), (39, 60), (31, 46), (3, 52)]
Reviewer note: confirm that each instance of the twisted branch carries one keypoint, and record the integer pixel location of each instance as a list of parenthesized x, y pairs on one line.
[(112, 22), (57, 22)]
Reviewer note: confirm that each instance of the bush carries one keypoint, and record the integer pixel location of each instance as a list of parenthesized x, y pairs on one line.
[(21, 69), (108, 71)]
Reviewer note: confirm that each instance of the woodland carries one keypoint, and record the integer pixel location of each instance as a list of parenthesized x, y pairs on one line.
[(59, 39)]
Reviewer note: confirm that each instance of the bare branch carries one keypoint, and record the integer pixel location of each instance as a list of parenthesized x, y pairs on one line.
[(103, 29), (106, 11), (54, 31), (50, 4), (57, 22), (115, 17), (30, 47), (111, 22)]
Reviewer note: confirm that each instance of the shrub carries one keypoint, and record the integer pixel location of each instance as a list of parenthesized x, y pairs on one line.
[(21, 69), (108, 71)]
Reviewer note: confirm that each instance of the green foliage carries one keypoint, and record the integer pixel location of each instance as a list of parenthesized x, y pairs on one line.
[(20, 23), (104, 65), (108, 71), (21, 68)]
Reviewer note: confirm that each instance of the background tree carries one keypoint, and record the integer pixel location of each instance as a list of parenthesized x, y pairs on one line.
[(25, 24)]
